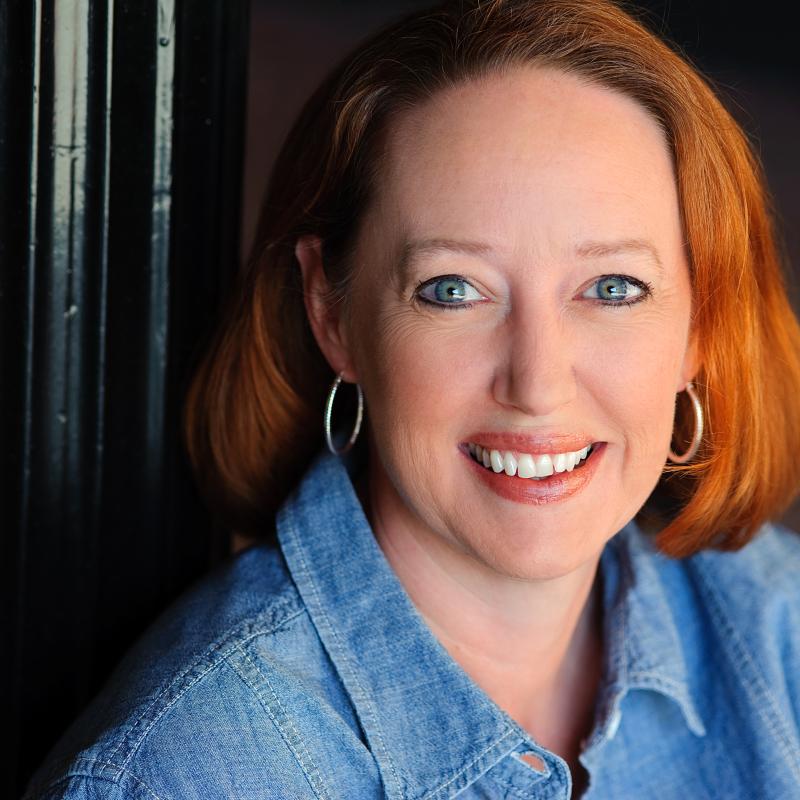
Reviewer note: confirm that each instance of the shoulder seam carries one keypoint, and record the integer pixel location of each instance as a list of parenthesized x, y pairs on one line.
[(257, 681), (104, 766), (211, 658)]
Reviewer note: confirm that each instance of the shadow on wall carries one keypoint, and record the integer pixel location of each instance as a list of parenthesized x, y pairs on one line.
[(292, 49)]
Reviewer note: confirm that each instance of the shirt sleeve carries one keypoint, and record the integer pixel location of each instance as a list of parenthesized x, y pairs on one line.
[(88, 787)]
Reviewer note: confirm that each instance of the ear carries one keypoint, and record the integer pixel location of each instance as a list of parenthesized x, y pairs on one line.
[(326, 320), (691, 362)]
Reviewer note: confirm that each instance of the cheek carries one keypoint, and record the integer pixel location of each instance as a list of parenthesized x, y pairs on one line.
[(636, 373), (411, 362), (420, 385), (421, 374)]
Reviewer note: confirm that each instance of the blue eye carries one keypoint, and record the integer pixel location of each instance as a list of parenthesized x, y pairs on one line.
[(617, 290), (448, 291)]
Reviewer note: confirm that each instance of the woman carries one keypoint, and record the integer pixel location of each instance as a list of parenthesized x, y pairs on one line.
[(537, 244)]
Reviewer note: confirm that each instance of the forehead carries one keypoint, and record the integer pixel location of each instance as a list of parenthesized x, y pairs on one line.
[(524, 160)]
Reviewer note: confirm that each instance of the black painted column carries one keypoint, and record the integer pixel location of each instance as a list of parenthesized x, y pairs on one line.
[(121, 131)]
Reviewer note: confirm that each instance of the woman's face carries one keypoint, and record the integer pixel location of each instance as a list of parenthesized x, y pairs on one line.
[(521, 284)]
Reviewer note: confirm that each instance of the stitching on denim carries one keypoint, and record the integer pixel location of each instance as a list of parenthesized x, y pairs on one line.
[(367, 703), (618, 631), (117, 771), (293, 739), (754, 684), (675, 690), (439, 789), (655, 678), (563, 773), (514, 791), (620, 625), (620, 622), (208, 654)]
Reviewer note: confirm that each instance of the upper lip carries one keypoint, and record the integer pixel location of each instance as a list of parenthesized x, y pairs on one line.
[(532, 444)]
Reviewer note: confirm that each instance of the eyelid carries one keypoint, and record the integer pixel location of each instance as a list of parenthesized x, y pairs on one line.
[(645, 289), (438, 278)]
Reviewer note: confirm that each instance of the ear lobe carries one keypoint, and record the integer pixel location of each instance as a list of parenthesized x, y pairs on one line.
[(323, 316)]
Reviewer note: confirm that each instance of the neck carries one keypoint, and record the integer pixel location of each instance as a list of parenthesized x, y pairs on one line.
[(534, 646)]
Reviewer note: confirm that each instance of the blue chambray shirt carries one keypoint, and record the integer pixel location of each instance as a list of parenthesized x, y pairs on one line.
[(306, 672)]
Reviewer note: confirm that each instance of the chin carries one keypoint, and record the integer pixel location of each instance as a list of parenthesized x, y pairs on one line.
[(543, 552)]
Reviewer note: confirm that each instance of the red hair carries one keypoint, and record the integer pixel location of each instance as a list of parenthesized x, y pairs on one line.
[(252, 418)]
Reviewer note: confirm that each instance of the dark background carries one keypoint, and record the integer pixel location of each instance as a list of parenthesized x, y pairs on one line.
[(101, 524)]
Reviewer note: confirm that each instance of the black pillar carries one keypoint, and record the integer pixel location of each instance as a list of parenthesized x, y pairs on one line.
[(121, 135)]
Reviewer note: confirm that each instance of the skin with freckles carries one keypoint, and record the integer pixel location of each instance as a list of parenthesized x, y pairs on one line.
[(567, 311)]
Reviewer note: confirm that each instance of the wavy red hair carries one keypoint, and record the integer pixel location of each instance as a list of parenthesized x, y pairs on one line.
[(252, 417)]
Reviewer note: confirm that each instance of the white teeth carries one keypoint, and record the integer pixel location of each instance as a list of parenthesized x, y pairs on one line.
[(544, 466), (527, 466), (497, 461)]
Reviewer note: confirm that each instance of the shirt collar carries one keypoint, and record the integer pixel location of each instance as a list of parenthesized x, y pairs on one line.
[(431, 729), (403, 683), (644, 639)]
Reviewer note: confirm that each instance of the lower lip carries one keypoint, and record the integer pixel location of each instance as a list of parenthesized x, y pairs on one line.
[(553, 489)]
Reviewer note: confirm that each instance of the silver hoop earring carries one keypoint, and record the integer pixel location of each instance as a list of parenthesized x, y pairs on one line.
[(329, 414), (698, 429)]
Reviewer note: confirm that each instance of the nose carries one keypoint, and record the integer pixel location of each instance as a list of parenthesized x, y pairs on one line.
[(536, 371)]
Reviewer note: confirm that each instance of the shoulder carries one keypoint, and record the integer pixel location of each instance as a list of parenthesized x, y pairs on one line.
[(726, 626), (738, 610), (750, 595), (751, 600), (207, 702), (765, 573)]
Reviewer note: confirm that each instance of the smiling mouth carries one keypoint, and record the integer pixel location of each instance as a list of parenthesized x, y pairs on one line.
[(524, 465)]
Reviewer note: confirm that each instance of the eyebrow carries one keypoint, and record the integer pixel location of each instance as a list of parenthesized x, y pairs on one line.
[(621, 247), (410, 251)]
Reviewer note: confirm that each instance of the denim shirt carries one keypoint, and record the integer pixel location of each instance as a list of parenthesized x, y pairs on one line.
[(307, 672)]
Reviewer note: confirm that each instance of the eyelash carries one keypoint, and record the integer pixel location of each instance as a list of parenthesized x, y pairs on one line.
[(443, 306), (647, 290)]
